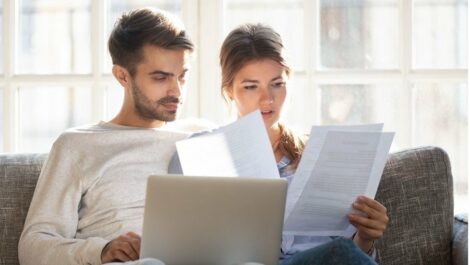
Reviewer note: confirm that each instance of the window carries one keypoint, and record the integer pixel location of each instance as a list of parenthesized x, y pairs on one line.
[(1, 38), (1, 72), (357, 104), (440, 26), (53, 37), (400, 62), (359, 34), (40, 124)]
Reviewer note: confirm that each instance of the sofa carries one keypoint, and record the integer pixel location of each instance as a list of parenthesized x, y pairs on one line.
[(416, 187)]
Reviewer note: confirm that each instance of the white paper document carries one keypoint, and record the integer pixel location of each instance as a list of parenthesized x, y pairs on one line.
[(310, 155), (338, 164), (240, 149), (341, 164)]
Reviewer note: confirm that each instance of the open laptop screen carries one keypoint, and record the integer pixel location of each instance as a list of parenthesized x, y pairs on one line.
[(213, 220)]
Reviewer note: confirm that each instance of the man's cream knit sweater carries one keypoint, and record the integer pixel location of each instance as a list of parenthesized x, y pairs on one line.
[(92, 189)]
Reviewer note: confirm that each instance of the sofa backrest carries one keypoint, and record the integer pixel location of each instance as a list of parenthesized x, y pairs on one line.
[(18, 177), (416, 188)]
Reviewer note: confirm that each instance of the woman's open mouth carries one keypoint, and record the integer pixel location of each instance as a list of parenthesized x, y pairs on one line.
[(267, 113)]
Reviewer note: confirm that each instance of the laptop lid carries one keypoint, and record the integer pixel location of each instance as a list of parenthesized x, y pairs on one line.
[(213, 220)]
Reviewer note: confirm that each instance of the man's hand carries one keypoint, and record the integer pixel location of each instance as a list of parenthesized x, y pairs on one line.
[(123, 248), (370, 223)]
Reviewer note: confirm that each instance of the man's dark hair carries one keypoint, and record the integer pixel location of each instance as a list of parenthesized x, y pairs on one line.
[(140, 27)]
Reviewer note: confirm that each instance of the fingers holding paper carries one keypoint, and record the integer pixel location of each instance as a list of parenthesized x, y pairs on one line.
[(372, 219)]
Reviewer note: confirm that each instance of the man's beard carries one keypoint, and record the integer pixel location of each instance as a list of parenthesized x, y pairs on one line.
[(153, 110)]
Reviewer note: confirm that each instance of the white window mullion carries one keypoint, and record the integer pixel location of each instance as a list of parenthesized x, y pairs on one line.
[(384, 76), (406, 126), (311, 33), (190, 17), (357, 76), (211, 34), (446, 75), (58, 80), (51, 79), (98, 18), (10, 95)]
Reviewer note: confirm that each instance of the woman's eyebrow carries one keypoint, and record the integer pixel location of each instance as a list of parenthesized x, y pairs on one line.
[(249, 81), (276, 78)]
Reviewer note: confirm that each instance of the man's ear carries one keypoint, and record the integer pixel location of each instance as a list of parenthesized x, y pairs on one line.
[(122, 75)]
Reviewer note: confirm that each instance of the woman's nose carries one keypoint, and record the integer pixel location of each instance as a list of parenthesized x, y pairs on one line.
[(266, 99)]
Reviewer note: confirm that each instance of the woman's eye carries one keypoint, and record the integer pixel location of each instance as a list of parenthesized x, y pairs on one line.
[(250, 87), (279, 84)]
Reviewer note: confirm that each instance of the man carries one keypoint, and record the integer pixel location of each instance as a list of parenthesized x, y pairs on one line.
[(88, 204)]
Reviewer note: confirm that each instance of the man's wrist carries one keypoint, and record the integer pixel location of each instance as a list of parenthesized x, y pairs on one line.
[(103, 252)]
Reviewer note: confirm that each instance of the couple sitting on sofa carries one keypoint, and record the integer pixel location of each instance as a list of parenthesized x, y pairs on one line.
[(90, 193)]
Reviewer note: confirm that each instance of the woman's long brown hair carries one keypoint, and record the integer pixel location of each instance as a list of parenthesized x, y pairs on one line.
[(253, 42)]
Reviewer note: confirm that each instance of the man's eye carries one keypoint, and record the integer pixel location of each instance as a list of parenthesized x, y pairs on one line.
[(159, 78)]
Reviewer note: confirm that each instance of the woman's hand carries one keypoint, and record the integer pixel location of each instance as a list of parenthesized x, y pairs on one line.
[(124, 248), (370, 222)]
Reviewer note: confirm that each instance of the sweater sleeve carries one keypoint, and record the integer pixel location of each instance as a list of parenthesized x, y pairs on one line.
[(48, 235)]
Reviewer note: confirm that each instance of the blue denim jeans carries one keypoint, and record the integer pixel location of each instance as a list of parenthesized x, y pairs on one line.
[(337, 252)]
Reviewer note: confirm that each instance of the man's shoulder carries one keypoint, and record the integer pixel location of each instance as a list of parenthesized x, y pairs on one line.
[(191, 125), (79, 133)]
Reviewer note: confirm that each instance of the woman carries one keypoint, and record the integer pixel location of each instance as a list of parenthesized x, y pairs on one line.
[(254, 76)]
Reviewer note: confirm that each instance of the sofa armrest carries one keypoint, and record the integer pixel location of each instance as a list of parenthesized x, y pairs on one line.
[(417, 189), (460, 240)]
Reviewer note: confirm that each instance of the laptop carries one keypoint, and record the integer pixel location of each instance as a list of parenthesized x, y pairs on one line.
[(213, 220)]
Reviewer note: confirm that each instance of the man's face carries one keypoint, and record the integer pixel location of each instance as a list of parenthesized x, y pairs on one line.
[(158, 83)]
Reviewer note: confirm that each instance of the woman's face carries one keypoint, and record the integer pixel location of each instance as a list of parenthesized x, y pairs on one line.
[(260, 84)]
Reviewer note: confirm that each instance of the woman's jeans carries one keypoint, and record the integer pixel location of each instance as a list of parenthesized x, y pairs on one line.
[(337, 252)]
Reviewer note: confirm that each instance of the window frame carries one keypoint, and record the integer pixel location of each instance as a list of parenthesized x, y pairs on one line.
[(204, 19)]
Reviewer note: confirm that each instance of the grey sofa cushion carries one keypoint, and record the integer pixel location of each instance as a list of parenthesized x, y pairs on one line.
[(18, 176), (416, 188)]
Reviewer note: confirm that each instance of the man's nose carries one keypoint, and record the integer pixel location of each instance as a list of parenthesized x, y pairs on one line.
[(175, 90)]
